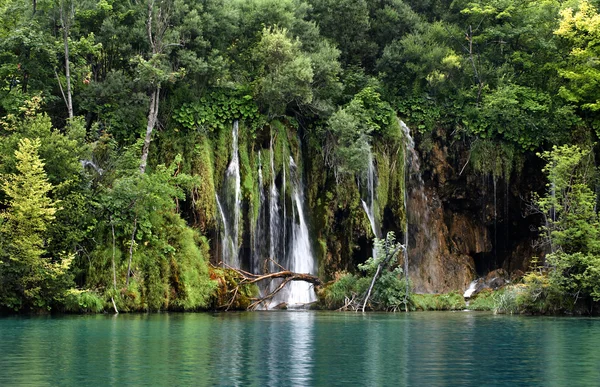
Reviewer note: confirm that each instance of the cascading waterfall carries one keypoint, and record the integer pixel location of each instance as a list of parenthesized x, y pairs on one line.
[(301, 259), (371, 202), (283, 185), (280, 236), (418, 212), (258, 242), (274, 224), (226, 246), (471, 289), (233, 204)]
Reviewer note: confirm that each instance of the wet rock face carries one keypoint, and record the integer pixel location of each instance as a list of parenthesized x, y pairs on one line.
[(440, 251), (461, 224), (493, 281)]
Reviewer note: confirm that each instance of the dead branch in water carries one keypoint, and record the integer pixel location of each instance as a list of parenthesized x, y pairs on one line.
[(287, 276)]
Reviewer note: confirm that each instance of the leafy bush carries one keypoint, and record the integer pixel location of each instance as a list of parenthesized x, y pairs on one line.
[(83, 301), (505, 300), (338, 293)]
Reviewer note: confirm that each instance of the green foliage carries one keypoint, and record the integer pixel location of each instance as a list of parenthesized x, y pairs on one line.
[(484, 301), (83, 301), (448, 301), (505, 301), (346, 287), (389, 291), (571, 230), (227, 282), (29, 279), (508, 77), (580, 28), (351, 129), (285, 73), (498, 159), (217, 110), (572, 223), (537, 294)]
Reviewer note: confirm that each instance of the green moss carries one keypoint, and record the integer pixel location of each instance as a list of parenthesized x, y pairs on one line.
[(334, 294), (227, 280), (484, 300), (203, 194), (391, 182), (383, 178), (248, 170), (281, 147), (222, 154), (496, 158), (448, 301)]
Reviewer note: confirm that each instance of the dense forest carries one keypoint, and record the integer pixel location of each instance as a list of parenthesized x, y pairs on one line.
[(148, 148)]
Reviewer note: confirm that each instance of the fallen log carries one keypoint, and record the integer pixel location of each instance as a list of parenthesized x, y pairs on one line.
[(286, 276)]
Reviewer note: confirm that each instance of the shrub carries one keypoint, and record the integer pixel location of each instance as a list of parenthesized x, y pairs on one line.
[(83, 301), (484, 300), (448, 301)]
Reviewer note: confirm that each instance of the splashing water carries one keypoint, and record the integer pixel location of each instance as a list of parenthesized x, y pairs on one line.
[(302, 260)]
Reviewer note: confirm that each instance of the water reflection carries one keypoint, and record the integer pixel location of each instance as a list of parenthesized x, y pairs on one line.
[(300, 348)]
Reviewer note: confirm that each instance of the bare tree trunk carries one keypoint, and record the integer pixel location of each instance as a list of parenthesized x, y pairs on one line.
[(472, 60), (112, 226), (388, 256), (152, 118), (66, 24), (371, 287), (131, 251)]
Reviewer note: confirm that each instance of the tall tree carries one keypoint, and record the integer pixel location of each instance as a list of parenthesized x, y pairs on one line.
[(30, 212), (67, 14)]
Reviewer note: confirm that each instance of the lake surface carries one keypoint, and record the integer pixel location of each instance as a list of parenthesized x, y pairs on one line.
[(300, 348)]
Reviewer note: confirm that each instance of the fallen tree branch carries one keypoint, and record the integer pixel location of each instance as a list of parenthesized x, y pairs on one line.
[(287, 276)]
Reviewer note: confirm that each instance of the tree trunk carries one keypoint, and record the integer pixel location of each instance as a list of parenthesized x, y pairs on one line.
[(152, 118), (131, 251), (64, 19), (112, 226)]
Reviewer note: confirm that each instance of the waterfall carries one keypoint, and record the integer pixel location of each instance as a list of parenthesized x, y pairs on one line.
[(472, 288), (274, 227), (258, 242), (417, 213), (233, 204), (226, 246), (301, 257), (370, 203), (283, 198)]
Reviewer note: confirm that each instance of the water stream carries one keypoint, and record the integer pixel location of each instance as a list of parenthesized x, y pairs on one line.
[(232, 192), (369, 204), (302, 259)]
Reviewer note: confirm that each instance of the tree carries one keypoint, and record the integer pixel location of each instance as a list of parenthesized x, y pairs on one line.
[(156, 70), (67, 14), (30, 207), (285, 72), (581, 30), (28, 278), (572, 225)]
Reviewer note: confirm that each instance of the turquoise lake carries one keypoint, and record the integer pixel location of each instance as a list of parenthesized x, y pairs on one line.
[(300, 348)]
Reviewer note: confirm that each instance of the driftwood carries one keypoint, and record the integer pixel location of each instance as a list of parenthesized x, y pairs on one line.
[(287, 276)]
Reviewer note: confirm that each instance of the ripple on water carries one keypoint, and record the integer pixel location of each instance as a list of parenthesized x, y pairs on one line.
[(300, 348)]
